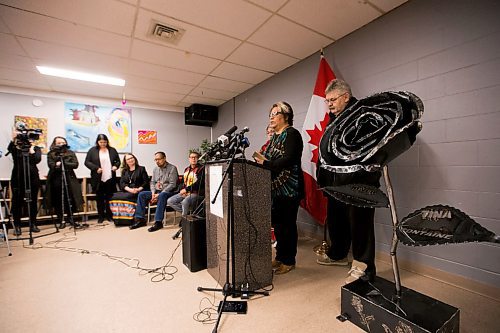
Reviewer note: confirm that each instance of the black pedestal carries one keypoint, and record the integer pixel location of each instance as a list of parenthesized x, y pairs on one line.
[(194, 243), (362, 305)]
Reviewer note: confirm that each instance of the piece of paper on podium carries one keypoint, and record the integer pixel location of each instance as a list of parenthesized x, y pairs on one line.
[(216, 208)]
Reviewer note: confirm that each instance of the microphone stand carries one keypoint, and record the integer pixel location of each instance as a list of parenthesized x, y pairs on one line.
[(2, 218), (229, 285)]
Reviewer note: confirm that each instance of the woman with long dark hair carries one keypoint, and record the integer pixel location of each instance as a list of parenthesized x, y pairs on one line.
[(58, 158), (103, 161)]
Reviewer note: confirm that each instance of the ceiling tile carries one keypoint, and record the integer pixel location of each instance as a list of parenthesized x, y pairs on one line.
[(333, 18), (235, 18), (202, 100), (212, 93), (387, 5), (282, 35), (22, 76), (147, 96), (3, 27), (240, 73), (164, 73), (43, 28), (85, 88), (252, 56), (195, 39), (272, 5), (14, 61), (9, 44), (223, 84), (48, 54), (25, 85), (166, 56), (84, 12), (158, 85)]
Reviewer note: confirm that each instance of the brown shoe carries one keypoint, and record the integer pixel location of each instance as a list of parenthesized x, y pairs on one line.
[(283, 269), (275, 264)]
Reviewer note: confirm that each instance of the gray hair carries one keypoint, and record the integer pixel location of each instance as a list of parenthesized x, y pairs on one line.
[(339, 85)]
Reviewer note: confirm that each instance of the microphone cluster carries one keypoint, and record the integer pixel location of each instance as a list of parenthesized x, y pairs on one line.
[(228, 144)]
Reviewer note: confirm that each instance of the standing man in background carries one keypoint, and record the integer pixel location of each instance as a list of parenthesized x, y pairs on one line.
[(348, 224)]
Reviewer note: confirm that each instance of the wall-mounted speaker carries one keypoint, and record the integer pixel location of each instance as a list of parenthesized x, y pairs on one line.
[(201, 115)]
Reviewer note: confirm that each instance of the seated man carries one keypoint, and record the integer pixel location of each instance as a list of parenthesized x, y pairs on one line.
[(163, 185), (192, 188)]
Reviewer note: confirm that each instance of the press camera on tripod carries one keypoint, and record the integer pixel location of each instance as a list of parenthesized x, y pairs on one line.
[(25, 136)]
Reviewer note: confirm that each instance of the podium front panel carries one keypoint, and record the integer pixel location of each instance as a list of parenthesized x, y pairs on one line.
[(252, 225)]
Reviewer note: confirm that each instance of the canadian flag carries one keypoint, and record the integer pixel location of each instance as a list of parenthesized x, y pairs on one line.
[(312, 130)]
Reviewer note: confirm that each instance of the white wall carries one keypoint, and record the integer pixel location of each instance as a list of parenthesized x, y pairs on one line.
[(448, 53), (174, 138)]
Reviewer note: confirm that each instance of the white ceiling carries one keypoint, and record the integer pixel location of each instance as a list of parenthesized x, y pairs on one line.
[(228, 45)]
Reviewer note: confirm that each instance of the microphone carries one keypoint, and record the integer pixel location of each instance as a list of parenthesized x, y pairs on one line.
[(224, 138), (244, 130), (1, 153)]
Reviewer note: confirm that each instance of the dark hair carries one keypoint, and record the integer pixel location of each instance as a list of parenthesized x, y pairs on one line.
[(101, 137), (286, 110), (54, 142), (124, 165), (161, 153)]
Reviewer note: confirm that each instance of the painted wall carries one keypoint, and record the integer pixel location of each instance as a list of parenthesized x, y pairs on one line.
[(174, 138), (448, 53)]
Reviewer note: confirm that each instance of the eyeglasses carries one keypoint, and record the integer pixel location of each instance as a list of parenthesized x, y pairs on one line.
[(274, 114), (333, 100)]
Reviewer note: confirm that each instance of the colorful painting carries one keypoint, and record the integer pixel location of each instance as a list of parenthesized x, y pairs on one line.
[(83, 122), (32, 125), (147, 137)]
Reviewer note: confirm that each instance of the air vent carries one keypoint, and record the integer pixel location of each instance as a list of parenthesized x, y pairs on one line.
[(166, 33)]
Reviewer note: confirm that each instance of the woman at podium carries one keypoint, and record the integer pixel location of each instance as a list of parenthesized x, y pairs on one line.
[(282, 155)]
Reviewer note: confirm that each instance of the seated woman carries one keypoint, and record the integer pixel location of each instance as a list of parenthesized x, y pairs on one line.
[(134, 179)]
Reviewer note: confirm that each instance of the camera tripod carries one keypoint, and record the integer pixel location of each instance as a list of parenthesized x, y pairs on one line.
[(229, 287), (66, 199), (2, 218), (25, 165)]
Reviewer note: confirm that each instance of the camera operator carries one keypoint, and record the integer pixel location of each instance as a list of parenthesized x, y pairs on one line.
[(60, 153), (21, 145)]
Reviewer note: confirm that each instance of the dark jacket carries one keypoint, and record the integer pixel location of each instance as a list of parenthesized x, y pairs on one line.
[(55, 174), (93, 163), (17, 176), (134, 179)]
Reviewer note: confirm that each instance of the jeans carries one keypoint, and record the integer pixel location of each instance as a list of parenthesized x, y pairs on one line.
[(184, 204), (143, 201)]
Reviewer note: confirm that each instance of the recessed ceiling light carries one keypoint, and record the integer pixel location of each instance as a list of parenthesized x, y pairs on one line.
[(80, 76)]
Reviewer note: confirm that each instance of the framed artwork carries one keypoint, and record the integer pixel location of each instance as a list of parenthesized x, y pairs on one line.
[(147, 137), (83, 122)]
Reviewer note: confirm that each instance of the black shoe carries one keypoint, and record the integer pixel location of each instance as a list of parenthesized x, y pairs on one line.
[(77, 225), (137, 224), (62, 225), (157, 226), (17, 231), (100, 220), (34, 228), (110, 219)]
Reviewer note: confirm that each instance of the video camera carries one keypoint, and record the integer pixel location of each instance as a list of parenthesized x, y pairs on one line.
[(26, 135)]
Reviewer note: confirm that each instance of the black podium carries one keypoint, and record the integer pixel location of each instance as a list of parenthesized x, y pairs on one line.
[(252, 223)]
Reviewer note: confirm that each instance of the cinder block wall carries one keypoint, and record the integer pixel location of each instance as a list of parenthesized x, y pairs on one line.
[(448, 53)]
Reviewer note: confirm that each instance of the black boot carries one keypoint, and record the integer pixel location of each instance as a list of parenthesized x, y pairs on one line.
[(138, 222), (34, 227), (157, 226), (17, 230)]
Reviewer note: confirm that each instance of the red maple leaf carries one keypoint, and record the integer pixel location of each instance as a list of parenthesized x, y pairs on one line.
[(315, 135)]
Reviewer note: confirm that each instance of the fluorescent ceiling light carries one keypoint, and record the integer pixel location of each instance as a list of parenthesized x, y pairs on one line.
[(80, 76)]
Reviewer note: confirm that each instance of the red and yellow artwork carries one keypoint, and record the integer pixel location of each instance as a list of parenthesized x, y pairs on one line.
[(34, 125), (147, 137)]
